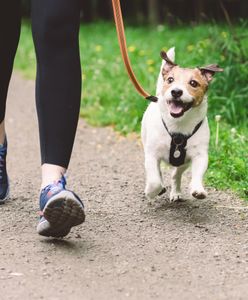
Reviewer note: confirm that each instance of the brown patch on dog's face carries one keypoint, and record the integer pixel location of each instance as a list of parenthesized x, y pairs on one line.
[(191, 81), (197, 86)]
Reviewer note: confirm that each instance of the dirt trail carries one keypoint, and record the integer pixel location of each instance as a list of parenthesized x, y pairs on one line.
[(127, 249)]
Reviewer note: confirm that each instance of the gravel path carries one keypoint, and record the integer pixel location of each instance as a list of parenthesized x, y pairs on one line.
[(127, 249)]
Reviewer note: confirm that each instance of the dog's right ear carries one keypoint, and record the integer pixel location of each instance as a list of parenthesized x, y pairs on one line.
[(169, 64)]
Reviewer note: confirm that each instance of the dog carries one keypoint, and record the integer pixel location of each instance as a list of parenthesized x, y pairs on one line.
[(175, 128)]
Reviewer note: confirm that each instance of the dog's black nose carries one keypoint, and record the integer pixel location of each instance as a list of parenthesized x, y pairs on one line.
[(176, 93)]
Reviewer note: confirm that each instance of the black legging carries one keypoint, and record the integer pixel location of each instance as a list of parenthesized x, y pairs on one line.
[(55, 26), (10, 24)]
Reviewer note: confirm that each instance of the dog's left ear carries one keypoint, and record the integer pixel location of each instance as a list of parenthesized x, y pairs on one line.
[(209, 71), (169, 63)]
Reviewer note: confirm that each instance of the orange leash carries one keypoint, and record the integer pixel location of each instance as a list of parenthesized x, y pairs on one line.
[(123, 47)]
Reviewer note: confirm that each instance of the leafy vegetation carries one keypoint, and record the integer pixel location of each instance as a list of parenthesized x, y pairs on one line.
[(110, 99), (228, 161)]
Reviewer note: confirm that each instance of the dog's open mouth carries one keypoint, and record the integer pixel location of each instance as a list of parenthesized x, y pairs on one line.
[(178, 107)]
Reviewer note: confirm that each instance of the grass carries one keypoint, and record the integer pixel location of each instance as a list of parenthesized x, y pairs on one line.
[(228, 162), (110, 99)]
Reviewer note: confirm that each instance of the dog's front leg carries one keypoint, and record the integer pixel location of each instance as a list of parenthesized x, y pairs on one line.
[(199, 167), (154, 185), (175, 193)]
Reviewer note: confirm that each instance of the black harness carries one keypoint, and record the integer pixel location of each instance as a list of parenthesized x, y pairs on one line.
[(178, 144)]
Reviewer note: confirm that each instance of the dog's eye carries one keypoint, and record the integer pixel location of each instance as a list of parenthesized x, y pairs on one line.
[(193, 83), (170, 79)]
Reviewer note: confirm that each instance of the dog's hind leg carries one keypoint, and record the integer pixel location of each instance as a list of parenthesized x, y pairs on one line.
[(175, 194), (154, 183)]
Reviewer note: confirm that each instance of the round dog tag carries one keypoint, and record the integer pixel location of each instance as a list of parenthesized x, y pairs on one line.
[(177, 153)]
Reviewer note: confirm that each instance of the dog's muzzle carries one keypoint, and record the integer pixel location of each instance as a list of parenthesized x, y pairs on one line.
[(177, 107)]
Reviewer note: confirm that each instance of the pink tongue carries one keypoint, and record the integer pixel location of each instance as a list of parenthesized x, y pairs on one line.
[(175, 109)]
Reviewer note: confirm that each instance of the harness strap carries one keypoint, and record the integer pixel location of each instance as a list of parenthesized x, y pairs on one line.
[(178, 144), (123, 47)]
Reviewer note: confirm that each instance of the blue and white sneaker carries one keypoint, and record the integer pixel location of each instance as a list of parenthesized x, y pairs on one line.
[(60, 210), (4, 181)]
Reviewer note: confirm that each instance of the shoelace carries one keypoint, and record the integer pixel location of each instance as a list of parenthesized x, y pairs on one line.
[(55, 185)]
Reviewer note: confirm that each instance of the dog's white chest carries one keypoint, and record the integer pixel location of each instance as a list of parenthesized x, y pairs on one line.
[(157, 141)]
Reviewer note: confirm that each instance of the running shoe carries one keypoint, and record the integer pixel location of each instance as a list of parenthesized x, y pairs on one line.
[(60, 210), (4, 181)]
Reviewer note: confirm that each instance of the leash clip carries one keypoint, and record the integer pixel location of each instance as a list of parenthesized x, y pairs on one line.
[(152, 98)]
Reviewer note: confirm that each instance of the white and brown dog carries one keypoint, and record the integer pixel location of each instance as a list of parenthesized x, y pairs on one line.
[(175, 129)]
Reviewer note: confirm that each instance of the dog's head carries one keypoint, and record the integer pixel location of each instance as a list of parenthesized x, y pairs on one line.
[(183, 89)]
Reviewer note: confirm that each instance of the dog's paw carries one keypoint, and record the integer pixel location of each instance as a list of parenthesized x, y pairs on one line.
[(154, 189), (199, 193), (175, 197)]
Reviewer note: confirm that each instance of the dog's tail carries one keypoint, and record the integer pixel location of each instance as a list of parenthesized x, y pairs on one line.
[(171, 55)]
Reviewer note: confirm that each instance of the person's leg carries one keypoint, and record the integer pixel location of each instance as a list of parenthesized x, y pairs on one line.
[(58, 85), (2, 132), (55, 27), (10, 24)]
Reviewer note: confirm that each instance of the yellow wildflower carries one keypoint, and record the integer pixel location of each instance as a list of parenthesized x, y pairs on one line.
[(190, 48), (150, 62), (98, 48), (131, 48), (224, 34), (151, 70), (222, 58)]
